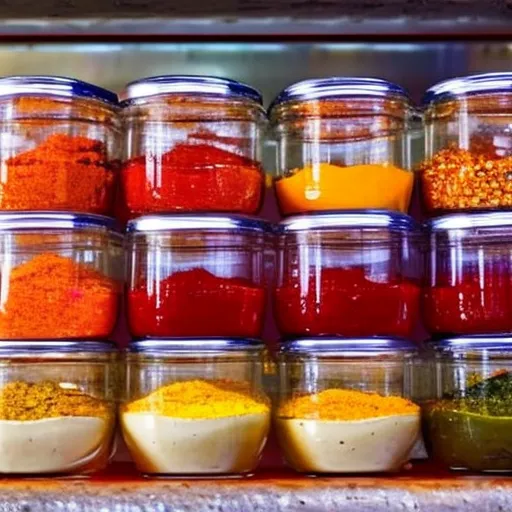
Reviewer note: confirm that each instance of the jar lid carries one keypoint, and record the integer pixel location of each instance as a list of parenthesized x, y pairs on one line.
[(193, 346), (346, 347), (493, 219), (468, 86), (187, 222), (349, 219), (38, 348), (183, 85), (473, 343), (40, 85)]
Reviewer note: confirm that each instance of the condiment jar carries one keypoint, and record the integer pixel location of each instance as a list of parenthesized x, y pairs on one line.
[(468, 283), (57, 406), (350, 274), (342, 407), (58, 145), (342, 144), (196, 275), (61, 275), (468, 421), (195, 407), (192, 144), (468, 144)]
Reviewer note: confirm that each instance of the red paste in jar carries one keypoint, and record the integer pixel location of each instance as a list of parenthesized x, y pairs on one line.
[(345, 302), (477, 304), (197, 303), (192, 177)]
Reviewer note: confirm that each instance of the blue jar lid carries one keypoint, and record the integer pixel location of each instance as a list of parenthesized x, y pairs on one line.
[(467, 86), (346, 347), (188, 85), (193, 346), (55, 220), (469, 220), (40, 85), (190, 222), (474, 343), (49, 348), (349, 219)]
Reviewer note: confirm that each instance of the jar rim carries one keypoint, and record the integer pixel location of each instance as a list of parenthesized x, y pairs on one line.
[(58, 86), (193, 346), (471, 85), (468, 220), (42, 348), (188, 85), (474, 343)]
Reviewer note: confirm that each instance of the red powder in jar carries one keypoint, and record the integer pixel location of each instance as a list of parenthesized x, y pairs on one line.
[(197, 303), (344, 302), (192, 177)]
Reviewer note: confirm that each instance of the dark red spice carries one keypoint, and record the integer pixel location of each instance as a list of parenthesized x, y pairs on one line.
[(347, 302), (197, 303), (192, 177)]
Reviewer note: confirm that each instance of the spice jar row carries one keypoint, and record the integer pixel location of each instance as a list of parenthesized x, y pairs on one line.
[(194, 144)]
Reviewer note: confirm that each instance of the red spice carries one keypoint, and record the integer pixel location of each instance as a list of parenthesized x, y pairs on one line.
[(197, 303), (477, 304), (345, 302), (192, 177)]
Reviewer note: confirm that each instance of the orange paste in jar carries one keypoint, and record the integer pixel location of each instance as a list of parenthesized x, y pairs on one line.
[(334, 187)]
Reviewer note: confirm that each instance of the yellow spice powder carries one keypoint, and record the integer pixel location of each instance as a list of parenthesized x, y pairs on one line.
[(346, 405), (25, 401), (201, 399)]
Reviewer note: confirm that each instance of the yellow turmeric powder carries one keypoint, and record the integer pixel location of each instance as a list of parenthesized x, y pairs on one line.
[(333, 187), (346, 405), (25, 401), (201, 399)]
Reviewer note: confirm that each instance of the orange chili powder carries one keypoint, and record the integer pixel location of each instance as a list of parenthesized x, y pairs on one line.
[(63, 173), (51, 296)]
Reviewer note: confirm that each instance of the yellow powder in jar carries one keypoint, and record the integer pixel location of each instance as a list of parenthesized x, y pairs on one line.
[(346, 405), (200, 399), (25, 401)]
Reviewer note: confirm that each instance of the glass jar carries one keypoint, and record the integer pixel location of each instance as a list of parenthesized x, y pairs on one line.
[(468, 144), (348, 274), (468, 283), (192, 144), (195, 407), (61, 275), (59, 140), (343, 408), (342, 144), (468, 421), (198, 275), (57, 406)]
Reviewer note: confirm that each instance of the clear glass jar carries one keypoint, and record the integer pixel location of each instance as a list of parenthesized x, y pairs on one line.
[(348, 274), (468, 283), (195, 276), (192, 144), (61, 275), (343, 405), (468, 144), (342, 144), (59, 141), (195, 407), (57, 406), (468, 421)]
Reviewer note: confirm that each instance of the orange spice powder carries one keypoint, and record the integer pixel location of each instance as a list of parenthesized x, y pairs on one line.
[(51, 296), (62, 173)]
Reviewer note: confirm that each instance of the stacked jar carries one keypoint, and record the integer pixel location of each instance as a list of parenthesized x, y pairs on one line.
[(467, 301), (349, 268), (192, 183), (61, 275)]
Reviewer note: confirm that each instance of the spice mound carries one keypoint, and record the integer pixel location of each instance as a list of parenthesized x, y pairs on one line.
[(332, 187), (51, 296), (456, 179), (345, 302), (50, 428), (197, 303), (192, 177), (347, 431), (63, 173), (197, 427), (471, 430)]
